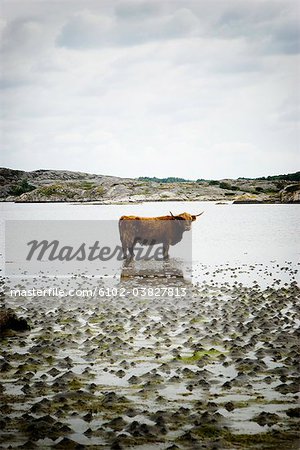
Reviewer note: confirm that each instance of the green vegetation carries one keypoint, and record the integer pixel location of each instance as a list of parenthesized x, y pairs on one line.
[(224, 185), (52, 189), (287, 177), (22, 187), (56, 190), (87, 185), (100, 191), (75, 384), (164, 180), (199, 355)]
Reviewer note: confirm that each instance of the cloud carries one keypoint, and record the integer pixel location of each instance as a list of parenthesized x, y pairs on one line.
[(28, 35), (137, 10), (194, 89), (269, 25), (87, 30)]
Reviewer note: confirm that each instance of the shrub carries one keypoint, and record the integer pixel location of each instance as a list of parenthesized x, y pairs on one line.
[(21, 188), (213, 182), (224, 185)]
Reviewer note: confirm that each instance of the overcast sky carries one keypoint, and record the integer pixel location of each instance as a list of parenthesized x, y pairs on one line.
[(195, 89)]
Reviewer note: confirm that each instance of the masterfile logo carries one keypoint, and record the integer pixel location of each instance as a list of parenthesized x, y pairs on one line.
[(50, 247)]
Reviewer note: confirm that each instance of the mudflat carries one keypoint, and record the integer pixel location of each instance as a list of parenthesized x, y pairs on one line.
[(215, 368)]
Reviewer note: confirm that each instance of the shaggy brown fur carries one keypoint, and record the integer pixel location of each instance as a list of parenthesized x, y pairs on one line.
[(166, 230)]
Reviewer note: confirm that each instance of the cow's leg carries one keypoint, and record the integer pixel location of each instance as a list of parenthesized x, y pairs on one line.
[(131, 252), (124, 248), (166, 246)]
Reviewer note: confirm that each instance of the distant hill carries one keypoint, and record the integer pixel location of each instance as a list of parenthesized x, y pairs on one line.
[(67, 186), (164, 180), (287, 177)]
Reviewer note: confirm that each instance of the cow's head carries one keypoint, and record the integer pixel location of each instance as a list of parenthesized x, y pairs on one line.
[(186, 219)]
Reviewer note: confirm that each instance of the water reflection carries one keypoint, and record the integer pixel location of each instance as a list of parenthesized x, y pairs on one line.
[(166, 269)]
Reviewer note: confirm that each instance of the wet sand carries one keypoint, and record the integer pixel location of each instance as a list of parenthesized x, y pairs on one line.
[(216, 369)]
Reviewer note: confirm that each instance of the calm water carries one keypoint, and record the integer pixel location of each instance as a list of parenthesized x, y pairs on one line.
[(233, 328), (235, 236)]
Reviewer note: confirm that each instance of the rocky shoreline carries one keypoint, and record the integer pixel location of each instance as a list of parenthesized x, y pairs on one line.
[(48, 186)]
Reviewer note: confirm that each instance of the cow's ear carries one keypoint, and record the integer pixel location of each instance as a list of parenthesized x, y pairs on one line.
[(194, 218)]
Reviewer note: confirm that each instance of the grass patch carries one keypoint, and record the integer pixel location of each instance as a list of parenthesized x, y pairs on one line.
[(199, 355), (198, 320), (75, 384), (56, 190), (87, 185), (67, 320), (100, 191)]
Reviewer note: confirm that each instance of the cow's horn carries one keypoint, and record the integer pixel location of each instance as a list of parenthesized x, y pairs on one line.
[(171, 214), (197, 215)]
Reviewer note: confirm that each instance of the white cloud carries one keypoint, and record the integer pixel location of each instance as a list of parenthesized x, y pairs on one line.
[(193, 89)]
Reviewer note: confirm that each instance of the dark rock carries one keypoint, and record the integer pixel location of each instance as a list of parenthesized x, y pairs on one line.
[(293, 412), (67, 444), (137, 429), (131, 412), (229, 406), (9, 321), (266, 418), (117, 424), (116, 445), (53, 372)]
